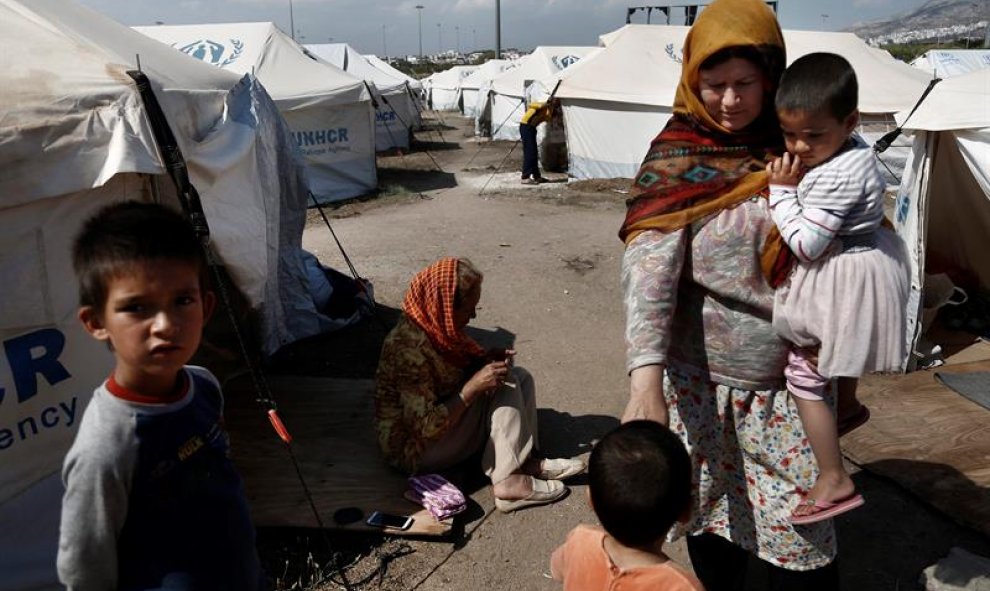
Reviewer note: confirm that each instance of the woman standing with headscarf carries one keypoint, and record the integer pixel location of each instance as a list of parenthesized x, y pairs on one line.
[(702, 353), (440, 397)]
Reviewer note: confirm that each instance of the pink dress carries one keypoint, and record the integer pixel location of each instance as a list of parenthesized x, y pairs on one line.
[(848, 294)]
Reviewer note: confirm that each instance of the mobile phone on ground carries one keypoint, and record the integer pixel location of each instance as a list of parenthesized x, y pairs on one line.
[(379, 519)]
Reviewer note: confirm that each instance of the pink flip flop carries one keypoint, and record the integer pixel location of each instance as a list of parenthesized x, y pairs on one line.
[(825, 510)]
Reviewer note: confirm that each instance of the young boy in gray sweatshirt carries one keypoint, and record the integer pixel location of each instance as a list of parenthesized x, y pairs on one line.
[(152, 500)]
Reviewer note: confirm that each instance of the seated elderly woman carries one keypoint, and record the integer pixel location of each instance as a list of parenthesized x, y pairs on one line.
[(440, 397)]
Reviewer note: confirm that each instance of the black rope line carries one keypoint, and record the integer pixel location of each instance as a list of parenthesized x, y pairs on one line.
[(892, 173), (883, 143), (500, 165), (452, 552), (506, 120), (361, 281), (399, 117), (482, 146)]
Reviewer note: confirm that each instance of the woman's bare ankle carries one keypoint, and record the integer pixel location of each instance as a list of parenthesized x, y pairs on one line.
[(515, 486)]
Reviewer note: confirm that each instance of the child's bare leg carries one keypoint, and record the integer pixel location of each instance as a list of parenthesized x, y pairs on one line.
[(848, 408), (833, 482)]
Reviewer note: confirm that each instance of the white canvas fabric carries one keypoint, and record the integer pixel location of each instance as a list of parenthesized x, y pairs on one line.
[(396, 114), (76, 137), (637, 73), (445, 87), (374, 60), (414, 87), (330, 110), (943, 205), (946, 63), (471, 85), (508, 89)]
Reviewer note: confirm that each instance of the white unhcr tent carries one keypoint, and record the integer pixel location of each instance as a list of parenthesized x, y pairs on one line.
[(946, 63), (478, 80), (396, 113), (444, 87), (943, 206), (328, 110), (77, 136), (416, 86), (617, 101), (507, 97)]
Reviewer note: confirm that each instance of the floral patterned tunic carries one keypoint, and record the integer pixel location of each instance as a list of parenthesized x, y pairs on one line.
[(412, 381), (696, 301)]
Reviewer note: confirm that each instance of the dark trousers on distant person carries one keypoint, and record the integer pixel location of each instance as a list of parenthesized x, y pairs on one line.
[(531, 162), (721, 566)]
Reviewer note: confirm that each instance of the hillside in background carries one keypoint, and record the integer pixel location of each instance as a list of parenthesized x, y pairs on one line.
[(935, 20)]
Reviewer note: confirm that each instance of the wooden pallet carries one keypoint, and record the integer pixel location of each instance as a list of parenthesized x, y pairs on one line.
[(334, 442), (929, 439)]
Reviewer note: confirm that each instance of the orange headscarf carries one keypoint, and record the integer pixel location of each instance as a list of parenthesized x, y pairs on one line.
[(429, 304), (696, 167)]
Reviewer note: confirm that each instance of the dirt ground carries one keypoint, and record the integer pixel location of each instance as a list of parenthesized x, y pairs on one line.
[(551, 260)]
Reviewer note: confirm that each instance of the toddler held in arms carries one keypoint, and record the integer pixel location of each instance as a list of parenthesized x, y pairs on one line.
[(843, 305)]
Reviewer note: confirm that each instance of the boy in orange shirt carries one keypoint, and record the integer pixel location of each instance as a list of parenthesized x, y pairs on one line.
[(640, 485)]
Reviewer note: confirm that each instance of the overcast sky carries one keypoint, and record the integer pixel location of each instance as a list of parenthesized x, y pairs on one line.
[(391, 26)]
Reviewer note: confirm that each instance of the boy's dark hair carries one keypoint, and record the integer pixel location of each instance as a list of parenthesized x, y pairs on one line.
[(819, 83), (640, 480), (122, 234)]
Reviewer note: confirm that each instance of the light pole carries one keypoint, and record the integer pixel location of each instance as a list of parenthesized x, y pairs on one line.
[(419, 11), (498, 29), (439, 38), (384, 44), (824, 16), (474, 32), (292, 22)]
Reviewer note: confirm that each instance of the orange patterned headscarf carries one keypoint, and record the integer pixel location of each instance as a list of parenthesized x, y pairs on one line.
[(429, 304)]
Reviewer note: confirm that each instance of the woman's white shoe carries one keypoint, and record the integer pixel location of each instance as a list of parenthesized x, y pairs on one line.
[(561, 468), (544, 492)]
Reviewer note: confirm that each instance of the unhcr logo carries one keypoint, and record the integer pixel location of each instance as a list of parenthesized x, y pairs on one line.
[(674, 54), (564, 61), (320, 142), (213, 52)]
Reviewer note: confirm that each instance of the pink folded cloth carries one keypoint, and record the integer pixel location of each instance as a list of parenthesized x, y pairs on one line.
[(441, 498)]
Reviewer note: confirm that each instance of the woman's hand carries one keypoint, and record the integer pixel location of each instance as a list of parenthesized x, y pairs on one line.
[(505, 355), (486, 380), (785, 170), (646, 399)]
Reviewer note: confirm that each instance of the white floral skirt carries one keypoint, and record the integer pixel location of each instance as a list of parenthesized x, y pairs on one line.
[(751, 464)]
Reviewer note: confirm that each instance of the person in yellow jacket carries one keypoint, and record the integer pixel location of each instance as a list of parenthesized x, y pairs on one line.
[(537, 113)]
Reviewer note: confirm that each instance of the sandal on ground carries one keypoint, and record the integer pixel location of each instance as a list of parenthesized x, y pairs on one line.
[(560, 468), (854, 421), (544, 492), (823, 510)]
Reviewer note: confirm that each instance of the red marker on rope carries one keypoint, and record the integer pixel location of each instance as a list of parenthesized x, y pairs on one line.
[(279, 426)]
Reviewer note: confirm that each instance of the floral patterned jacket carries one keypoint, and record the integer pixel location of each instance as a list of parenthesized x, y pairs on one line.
[(412, 382), (696, 297)]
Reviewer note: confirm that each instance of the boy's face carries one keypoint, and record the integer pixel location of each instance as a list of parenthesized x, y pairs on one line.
[(153, 318), (816, 136)]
